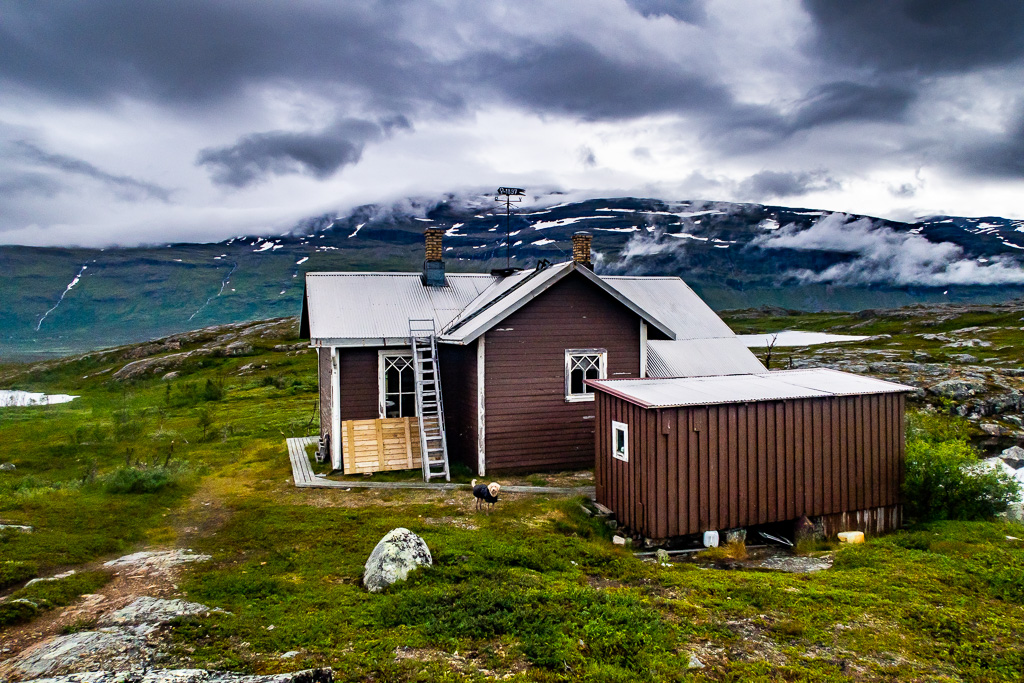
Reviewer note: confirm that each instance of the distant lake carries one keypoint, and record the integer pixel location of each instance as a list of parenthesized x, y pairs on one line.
[(11, 398), (796, 338)]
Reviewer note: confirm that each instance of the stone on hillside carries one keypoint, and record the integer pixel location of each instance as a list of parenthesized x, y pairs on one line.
[(694, 663), (173, 374), (963, 358), (55, 577), (147, 610), (993, 429), (957, 389), (157, 560), (1013, 456), (1014, 513), (397, 554), (7, 467), (996, 464)]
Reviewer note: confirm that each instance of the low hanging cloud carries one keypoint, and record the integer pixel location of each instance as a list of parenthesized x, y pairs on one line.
[(771, 184), (881, 255), (319, 154), (124, 187)]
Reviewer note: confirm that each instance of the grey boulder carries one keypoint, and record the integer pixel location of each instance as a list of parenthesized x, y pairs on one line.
[(7, 467), (397, 554), (1013, 456)]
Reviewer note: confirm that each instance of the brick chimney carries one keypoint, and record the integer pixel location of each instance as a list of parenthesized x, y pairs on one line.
[(433, 264), (581, 249)]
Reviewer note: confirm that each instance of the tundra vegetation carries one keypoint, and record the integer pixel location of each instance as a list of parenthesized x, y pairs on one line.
[(534, 591)]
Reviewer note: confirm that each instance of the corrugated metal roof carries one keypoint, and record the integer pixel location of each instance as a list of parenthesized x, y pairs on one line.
[(700, 358), (509, 296), (765, 386), (378, 306), (671, 300), (369, 307)]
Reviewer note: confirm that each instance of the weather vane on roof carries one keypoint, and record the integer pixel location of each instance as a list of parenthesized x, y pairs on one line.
[(509, 195)]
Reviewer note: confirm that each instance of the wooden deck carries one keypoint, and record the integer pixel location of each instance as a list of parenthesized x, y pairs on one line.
[(302, 474)]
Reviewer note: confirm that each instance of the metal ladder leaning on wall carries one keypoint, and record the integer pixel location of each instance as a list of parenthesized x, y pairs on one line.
[(429, 408)]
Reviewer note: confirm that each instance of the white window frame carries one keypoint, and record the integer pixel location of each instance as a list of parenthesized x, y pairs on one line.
[(602, 370), (382, 357), (622, 427)]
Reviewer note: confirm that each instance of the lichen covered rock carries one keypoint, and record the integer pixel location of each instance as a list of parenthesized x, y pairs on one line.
[(397, 554)]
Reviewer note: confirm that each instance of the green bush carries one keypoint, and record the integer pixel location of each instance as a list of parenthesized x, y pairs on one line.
[(13, 571), (26, 603), (134, 480), (942, 482)]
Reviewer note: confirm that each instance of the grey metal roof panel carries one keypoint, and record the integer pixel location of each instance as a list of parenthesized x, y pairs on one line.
[(671, 300), (700, 358), (840, 383), (747, 388), (379, 305)]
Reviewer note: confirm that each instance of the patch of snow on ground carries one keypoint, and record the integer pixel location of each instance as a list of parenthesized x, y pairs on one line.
[(302, 260), (1011, 244), (768, 224), (541, 243), (687, 236), (796, 338), (16, 399), (266, 246), (562, 222)]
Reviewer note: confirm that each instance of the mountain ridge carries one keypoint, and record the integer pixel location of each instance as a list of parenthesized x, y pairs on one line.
[(63, 300)]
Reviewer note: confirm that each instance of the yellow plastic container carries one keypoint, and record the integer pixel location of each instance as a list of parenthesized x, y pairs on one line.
[(851, 536)]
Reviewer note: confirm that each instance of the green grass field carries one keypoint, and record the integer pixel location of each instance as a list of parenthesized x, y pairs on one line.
[(534, 591)]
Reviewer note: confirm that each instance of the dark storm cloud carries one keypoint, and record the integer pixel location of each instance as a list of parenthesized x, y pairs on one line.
[(318, 154), (926, 36), (846, 101), (690, 11), (575, 78), (996, 155), (768, 184), (188, 51), (30, 184), (125, 187)]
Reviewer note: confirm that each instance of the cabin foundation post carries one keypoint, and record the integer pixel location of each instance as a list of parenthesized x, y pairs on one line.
[(336, 447)]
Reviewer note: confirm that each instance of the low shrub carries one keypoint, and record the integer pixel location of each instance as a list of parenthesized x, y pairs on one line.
[(135, 480), (24, 604), (943, 481), (14, 571)]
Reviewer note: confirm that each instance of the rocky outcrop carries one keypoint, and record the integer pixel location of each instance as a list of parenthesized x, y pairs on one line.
[(397, 554), (189, 676), (158, 560), (957, 389), (127, 639)]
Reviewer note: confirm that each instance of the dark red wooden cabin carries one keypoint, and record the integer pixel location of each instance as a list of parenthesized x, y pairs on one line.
[(683, 456)]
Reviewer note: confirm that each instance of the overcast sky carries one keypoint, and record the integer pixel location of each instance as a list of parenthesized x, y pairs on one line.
[(143, 122)]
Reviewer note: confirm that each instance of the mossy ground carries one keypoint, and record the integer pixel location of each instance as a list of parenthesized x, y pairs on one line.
[(532, 591)]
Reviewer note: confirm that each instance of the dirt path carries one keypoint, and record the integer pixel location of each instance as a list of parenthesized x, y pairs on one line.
[(200, 516)]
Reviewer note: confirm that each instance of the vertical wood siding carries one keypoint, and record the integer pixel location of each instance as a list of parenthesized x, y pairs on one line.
[(717, 467), (323, 356), (458, 384), (359, 393), (529, 425)]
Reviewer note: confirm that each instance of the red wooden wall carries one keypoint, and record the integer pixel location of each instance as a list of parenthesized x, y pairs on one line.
[(529, 425)]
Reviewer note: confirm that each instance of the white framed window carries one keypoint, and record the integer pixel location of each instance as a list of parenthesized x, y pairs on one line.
[(397, 384), (620, 441), (580, 365)]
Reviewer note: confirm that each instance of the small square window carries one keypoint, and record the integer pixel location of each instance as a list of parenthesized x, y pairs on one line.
[(581, 365), (620, 441)]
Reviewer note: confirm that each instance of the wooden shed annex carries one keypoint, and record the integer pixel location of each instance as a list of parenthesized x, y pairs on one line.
[(682, 456)]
